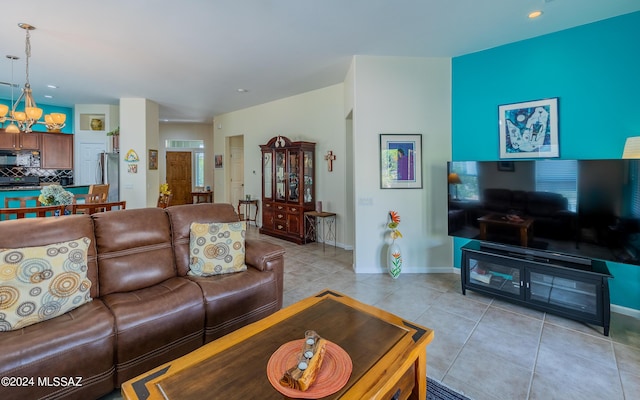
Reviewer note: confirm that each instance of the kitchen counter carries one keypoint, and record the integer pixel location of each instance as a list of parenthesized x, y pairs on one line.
[(38, 188)]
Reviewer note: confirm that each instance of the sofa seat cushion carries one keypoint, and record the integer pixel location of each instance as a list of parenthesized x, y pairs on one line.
[(42, 282), (155, 325), (217, 248), (235, 300), (80, 343)]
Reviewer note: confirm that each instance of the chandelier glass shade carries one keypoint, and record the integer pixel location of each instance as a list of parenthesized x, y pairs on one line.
[(24, 120)]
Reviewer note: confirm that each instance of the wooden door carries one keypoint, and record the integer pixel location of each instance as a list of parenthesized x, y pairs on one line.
[(179, 176)]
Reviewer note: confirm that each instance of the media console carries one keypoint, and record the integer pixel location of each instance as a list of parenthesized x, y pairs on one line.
[(568, 286)]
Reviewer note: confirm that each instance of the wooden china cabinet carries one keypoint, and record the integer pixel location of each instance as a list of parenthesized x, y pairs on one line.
[(288, 187)]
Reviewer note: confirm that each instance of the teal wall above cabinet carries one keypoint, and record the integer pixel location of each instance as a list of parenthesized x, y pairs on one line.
[(47, 109)]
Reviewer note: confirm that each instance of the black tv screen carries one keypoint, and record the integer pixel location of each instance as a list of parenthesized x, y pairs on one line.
[(584, 208)]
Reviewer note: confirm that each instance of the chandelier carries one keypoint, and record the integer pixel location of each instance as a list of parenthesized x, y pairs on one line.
[(24, 120)]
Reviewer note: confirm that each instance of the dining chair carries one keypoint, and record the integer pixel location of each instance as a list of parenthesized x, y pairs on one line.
[(28, 212), (164, 200), (22, 201), (101, 193), (92, 208)]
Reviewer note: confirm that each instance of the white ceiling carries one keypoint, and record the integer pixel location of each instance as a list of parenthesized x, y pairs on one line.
[(191, 56)]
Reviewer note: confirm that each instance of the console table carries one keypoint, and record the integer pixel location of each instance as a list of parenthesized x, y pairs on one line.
[(568, 286), (247, 210), (202, 197), (311, 221)]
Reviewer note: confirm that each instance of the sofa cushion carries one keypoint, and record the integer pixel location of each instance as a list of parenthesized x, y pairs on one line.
[(134, 248), (217, 248), (235, 300), (496, 199), (30, 232), (155, 325), (545, 204), (181, 217), (42, 282), (80, 343)]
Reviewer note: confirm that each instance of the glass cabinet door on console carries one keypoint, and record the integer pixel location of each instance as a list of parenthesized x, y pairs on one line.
[(288, 191), (490, 276), (560, 291)]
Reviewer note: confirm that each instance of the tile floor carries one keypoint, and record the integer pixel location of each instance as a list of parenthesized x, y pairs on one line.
[(483, 347)]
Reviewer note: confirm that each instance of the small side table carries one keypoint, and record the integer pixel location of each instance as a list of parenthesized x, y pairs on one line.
[(311, 221), (247, 210), (202, 197)]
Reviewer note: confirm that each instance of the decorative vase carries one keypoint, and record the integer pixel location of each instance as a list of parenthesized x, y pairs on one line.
[(394, 260), (96, 124)]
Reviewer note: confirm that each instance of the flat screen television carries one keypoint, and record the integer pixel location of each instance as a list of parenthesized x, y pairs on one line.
[(583, 208)]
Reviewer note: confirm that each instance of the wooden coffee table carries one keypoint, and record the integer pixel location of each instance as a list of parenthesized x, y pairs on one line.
[(523, 226), (389, 355)]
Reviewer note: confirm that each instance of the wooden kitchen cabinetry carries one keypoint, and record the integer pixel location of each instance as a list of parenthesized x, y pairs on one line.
[(56, 151), (288, 187), (19, 141)]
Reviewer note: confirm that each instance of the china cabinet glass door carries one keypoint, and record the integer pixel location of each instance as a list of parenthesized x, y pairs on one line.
[(308, 177), (294, 186), (280, 176), (267, 173)]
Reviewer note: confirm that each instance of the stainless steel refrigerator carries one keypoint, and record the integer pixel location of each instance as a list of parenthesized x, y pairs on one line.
[(108, 171)]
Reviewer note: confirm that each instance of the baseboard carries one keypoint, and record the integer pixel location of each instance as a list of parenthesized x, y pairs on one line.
[(631, 312)]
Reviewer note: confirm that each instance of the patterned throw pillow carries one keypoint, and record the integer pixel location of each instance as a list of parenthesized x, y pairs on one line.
[(40, 283), (217, 248)]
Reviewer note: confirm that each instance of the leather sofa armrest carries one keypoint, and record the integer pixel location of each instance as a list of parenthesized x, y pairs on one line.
[(263, 255)]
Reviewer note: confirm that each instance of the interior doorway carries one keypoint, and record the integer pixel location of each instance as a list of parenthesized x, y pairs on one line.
[(179, 176), (235, 175)]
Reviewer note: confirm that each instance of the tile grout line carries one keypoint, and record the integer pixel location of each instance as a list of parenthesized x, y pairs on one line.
[(467, 339), (535, 360)]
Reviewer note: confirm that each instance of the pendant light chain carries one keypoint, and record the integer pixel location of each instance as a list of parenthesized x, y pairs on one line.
[(27, 50)]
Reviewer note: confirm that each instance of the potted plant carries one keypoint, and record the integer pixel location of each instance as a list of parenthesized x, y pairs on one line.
[(115, 139)]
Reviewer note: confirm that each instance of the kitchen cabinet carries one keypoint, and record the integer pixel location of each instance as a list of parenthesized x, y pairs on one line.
[(56, 151), (288, 187), (19, 141)]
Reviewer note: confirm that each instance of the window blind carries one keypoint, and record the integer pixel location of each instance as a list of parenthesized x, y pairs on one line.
[(559, 176)]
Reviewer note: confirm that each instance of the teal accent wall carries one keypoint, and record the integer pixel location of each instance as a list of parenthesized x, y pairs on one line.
[(48, 109), (593, 69)]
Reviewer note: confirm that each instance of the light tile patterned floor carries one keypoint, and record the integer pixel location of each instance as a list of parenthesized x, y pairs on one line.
[(483, 347)]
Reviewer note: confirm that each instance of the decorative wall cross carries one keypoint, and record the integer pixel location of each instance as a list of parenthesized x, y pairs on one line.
[(330, 157)]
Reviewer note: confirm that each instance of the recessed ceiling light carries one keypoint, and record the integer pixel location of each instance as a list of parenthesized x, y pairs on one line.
[(52, 86), (535, 14), (243, 90)]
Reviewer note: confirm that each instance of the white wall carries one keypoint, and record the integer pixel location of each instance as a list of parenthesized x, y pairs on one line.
[(315, 116), (379, 95), (139, 132), (401, 95)]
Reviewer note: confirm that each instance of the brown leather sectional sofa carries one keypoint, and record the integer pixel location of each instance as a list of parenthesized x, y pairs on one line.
[(145, 310)]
